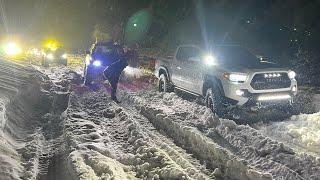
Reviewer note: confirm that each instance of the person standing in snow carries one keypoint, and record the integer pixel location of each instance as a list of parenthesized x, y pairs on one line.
[(112, 74)]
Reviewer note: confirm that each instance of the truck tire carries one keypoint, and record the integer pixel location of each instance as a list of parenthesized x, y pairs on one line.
[(164, 84), (213, 100)]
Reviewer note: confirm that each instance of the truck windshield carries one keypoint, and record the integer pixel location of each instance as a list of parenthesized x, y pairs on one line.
[(106, 50), (231, 56)]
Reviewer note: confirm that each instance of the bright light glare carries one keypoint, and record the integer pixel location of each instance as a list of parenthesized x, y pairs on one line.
[(50, 56), (96, 63), (64, 56), (291, 74), (273, 97), (210, 60), (12, 49)]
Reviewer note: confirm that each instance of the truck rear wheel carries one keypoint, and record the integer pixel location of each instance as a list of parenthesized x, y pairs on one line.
[(164, 84), (213, 100)]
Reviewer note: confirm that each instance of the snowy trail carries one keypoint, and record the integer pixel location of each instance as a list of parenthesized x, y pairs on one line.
[(57, 129), (110, 131), (265, 156), (122, 135)]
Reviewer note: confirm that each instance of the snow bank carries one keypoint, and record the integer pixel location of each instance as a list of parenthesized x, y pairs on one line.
[(133, 72), (301, 131), (18, 92)]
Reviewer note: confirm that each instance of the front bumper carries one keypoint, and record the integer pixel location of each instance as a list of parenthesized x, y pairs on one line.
[(251, 96)]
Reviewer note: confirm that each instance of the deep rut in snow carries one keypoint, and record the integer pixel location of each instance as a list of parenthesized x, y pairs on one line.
[(31, 144)]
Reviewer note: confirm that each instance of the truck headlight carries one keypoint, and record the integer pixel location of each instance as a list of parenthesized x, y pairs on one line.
[(236, 77), (210, 60), (96, 63), (291, 74)]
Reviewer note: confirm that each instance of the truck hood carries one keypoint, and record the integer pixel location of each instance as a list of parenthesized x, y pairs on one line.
[(263, 67)]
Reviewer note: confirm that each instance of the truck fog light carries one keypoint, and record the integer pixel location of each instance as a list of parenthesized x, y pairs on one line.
[(239, 92), (294, 88)]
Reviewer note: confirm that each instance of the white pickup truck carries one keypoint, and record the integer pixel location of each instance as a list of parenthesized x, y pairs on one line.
[(227, 75)]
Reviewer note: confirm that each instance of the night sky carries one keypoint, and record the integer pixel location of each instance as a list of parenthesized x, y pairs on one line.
[(263, 23)]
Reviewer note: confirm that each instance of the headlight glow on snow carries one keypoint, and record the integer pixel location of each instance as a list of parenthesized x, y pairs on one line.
[(273, 97), (291, 74), (96, 63), (236, 77), (50, 56), (209, 60)]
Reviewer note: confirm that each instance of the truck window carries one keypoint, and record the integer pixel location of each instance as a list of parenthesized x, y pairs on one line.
[(184, 53)]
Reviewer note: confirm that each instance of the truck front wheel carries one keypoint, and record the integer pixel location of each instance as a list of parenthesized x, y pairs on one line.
[(213, 100), (164, 84)]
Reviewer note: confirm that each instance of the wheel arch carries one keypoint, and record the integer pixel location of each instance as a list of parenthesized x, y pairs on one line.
[(164, 70), (210, 81)]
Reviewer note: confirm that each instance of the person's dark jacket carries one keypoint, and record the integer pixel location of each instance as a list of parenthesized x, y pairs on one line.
[(114, 70)]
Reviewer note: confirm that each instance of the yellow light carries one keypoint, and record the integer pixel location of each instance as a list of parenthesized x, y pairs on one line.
[(52, 45), (12, 49)]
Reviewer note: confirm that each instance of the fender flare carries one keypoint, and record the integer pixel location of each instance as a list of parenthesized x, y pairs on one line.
[(163, 70), (210, 80)]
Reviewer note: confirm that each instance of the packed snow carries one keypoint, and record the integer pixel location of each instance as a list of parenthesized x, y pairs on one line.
[(52, 127), (302, 132)]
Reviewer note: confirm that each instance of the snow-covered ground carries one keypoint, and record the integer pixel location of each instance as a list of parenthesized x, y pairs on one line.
[(54, 128), (302, 132)]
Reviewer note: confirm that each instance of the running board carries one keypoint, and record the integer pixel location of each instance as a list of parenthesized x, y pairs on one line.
[(187, 91)]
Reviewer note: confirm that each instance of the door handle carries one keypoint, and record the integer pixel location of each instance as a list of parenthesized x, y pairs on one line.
[(179, 67)]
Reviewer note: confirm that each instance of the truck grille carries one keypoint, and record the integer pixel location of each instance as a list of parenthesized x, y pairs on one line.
[(270, 81)]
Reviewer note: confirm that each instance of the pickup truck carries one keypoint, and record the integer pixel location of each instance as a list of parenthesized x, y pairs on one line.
[(227, 76)]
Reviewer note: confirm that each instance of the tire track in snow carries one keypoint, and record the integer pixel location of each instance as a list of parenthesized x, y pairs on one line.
[(126, 137), (258, 152)]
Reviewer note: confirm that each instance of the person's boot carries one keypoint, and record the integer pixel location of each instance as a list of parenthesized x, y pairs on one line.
[(114, 97), (115, 100)]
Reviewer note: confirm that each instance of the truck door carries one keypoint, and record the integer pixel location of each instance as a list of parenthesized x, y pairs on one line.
[(192, 70), (176, 67)]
